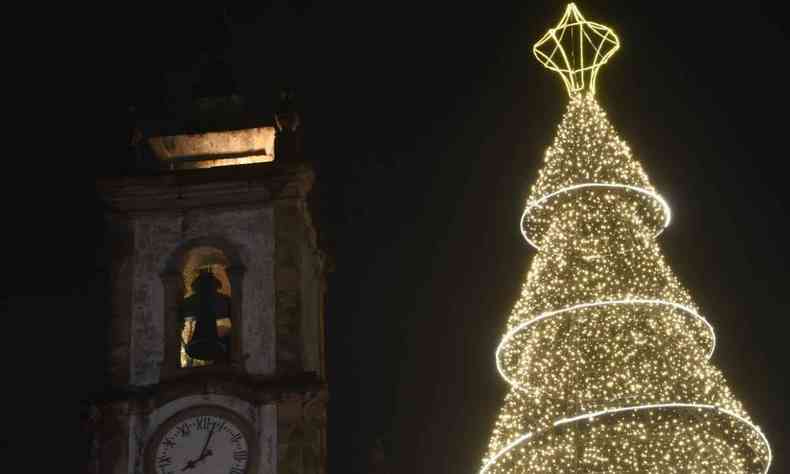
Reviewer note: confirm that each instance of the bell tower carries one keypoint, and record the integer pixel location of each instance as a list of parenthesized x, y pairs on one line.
[(216, 334)]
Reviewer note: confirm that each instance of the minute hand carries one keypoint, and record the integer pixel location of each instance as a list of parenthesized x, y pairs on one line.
[(208, 438)]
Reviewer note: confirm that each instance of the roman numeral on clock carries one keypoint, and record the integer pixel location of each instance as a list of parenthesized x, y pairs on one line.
[(236, 437), (202, 423), (240, 455), (184, 430)]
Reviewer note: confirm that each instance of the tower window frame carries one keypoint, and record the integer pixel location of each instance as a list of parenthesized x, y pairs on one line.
[(175, 290)]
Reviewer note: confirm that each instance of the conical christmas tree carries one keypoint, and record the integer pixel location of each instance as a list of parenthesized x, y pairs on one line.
[(605, 352)]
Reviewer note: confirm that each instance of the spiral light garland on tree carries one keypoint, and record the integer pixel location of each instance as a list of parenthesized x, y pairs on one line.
[(606, 354)]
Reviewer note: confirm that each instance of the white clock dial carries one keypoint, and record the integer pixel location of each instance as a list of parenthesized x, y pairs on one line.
[(203, 442)]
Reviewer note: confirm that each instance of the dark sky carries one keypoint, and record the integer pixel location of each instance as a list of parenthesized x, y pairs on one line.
[(429, 122)]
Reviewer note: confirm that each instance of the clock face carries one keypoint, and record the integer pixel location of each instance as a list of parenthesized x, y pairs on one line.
[(201, 441)]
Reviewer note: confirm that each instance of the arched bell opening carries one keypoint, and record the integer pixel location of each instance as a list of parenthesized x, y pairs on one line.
[(205, 323), (203, 299)]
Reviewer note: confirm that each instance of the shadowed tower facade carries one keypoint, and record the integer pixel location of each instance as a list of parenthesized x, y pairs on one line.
[(216, 327)]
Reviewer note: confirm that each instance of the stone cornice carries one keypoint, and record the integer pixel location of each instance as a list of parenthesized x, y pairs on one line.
[(245, 387), (204, 188)]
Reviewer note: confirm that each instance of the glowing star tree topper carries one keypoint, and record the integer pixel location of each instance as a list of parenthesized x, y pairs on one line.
[(605, 352), (576, 49)]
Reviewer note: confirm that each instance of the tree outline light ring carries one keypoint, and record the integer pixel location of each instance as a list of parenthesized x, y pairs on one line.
[(508, 337), (646, 192), (634, 408), (572, 65)]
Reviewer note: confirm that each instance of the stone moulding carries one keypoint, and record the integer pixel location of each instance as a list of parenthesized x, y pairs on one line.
[(263, 182), (210, 149)]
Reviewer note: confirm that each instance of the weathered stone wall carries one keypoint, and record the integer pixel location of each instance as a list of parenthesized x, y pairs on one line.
[(290, 435), (263, 419), (275, 268), (301, 424), (299, 288), (111, 446), (121, 305), (157, 237), (312, 309)]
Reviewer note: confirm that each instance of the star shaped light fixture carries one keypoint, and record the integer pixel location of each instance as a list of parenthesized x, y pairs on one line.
[(576, 49)]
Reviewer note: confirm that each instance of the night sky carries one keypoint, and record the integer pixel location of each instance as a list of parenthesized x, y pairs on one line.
[(429, 124)]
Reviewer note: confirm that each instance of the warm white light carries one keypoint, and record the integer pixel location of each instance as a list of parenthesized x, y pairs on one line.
[(606, 354), (587, 416), (576, 49), (523, 326), (652, 195)]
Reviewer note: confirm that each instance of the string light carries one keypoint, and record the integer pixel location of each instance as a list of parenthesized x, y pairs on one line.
[(525, 217), (591, 416), (606, 354), (507, 349)]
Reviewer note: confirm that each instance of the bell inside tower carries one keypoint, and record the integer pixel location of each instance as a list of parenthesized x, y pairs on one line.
[(204, 314)]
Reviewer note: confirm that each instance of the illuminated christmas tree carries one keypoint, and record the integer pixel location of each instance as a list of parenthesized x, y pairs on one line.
[(606, 354)]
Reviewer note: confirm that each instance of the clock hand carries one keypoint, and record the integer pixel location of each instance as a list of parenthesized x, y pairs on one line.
[(203, 452), (205, 455), (205, 445)]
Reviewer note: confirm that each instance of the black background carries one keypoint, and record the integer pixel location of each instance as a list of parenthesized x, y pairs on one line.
[(429, 122)]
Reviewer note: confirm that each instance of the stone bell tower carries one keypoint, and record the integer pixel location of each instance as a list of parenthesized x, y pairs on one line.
[(216, 344)]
